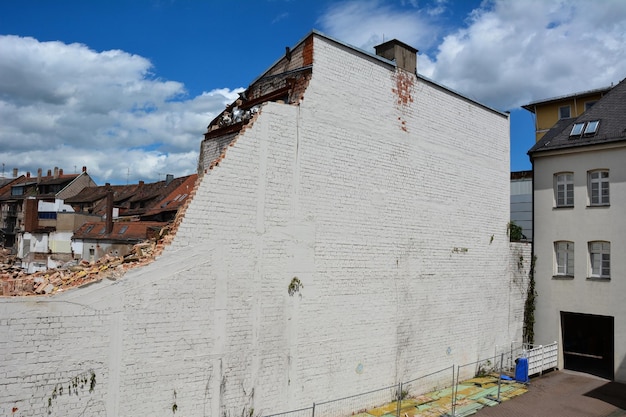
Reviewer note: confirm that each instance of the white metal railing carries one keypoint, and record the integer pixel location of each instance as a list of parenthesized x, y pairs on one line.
[(540, 357)]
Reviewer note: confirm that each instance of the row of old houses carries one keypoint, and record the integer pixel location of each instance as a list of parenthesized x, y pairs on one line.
[(52, 219)]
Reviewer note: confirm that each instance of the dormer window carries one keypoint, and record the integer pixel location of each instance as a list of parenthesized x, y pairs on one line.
[(577, 130), (592, 127), (564, 112)]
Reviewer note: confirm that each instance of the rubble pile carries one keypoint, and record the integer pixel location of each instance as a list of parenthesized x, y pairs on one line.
[(15, 282)]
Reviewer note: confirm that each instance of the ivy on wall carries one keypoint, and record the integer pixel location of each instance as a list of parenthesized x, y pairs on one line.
[(530, 305)]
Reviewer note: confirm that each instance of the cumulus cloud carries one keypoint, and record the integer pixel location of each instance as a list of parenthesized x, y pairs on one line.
[(507, 53), (371, 22), (104, 110)]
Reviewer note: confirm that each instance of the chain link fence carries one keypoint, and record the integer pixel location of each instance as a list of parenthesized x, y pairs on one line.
[(390, 398)]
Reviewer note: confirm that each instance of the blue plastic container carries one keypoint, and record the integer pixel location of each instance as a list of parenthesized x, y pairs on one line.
[(521, 370)]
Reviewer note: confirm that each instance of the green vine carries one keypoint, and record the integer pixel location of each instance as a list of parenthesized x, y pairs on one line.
[(92, 382), (530, 305), (515, 232), (294, 286), (73, 386)]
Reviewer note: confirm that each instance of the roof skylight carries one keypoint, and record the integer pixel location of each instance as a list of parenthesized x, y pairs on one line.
[(577, 130), (592, 127)]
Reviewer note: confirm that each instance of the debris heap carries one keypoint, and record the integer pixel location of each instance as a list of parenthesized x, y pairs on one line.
[(16, 282)]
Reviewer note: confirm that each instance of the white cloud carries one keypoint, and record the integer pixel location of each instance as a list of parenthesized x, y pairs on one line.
[(512, 53), (371, 22), (69, 106), (507, 53)]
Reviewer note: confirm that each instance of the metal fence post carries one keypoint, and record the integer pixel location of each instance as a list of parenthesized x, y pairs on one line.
[(500, 375), (313, 411), (452, 395), (455, 389), (399, 398)]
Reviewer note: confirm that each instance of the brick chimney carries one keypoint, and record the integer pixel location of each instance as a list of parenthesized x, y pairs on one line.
[(15, 172), (38, 174), (31, 215), (404, 55), (56, 172), (60, 172), (109, 220)]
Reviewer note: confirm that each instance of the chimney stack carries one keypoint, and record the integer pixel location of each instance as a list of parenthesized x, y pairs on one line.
[(56, 172), (14, 172), (28, 174), (84, 168), (31, 215), (49, 173), (38, 174), (168, 179), (404, 55), (109, 224), (60, 172)]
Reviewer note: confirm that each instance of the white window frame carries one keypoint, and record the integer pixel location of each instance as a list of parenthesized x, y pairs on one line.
[(600, 259), (564, 258), (569, 112), (564, 183), (598, 187)]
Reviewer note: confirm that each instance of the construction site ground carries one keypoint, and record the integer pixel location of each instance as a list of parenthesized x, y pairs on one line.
[(558, 393)]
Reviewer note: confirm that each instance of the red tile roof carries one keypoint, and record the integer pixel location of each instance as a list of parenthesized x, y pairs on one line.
[(122, 231)]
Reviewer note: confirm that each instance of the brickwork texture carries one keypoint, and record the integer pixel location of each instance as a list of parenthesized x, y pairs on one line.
[(348, 243)]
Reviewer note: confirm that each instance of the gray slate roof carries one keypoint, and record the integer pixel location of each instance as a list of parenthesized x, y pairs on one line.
[(610, 110)]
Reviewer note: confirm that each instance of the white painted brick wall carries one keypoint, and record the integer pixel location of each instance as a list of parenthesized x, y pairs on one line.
[(398, 236)]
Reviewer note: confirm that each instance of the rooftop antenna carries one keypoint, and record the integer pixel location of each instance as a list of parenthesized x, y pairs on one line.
[(3, 170)]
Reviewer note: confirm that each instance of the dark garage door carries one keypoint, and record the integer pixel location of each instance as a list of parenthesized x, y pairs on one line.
[(588, 343)]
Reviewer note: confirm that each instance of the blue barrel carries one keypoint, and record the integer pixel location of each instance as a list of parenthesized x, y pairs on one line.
[(521, 370)]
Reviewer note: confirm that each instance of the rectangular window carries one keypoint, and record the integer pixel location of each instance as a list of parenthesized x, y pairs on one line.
[(564, 112), (599, 188), (564, 189), (600, 259), (564, 258)]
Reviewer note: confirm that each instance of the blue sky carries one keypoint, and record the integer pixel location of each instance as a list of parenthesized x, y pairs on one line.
[(127, 88)]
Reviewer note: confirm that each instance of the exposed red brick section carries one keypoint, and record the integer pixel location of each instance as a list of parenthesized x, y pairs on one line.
[(307, 53), (404, 85)]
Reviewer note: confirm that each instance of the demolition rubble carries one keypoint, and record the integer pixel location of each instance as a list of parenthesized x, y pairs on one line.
[(16, 282)]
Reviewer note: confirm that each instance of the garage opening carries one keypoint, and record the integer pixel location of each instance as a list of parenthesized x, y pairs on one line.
[(588, 343)]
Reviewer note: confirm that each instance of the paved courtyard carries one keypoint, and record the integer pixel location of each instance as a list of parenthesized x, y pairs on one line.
[(566, 394)]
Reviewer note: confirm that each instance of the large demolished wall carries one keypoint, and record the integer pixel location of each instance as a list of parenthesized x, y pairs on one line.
[(343, 244)]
